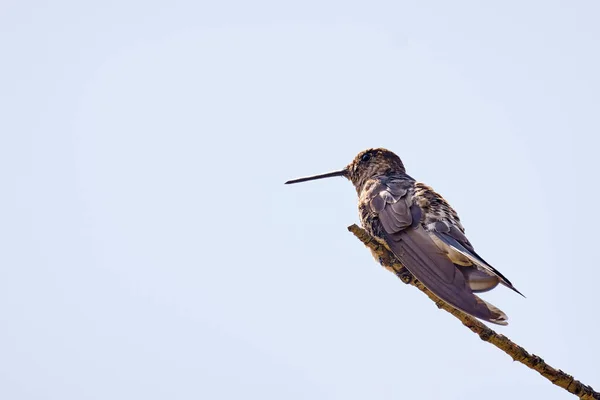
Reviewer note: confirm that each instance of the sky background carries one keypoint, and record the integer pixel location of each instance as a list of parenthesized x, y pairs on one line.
[(149, 249)]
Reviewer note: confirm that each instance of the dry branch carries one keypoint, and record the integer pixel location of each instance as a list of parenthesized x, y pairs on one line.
[(518, 353)]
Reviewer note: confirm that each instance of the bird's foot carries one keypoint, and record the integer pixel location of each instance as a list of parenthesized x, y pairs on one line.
[(405, 276)]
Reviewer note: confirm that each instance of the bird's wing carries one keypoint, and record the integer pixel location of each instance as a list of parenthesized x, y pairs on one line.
[(417, 251), (451, 236)]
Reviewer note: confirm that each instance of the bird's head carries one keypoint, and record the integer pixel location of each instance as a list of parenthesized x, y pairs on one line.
[(367, 164)]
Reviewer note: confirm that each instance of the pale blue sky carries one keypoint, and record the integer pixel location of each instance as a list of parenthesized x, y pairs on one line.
[(151, 251)]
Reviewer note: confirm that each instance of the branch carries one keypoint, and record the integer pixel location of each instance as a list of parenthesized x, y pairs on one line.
[(518, 353)]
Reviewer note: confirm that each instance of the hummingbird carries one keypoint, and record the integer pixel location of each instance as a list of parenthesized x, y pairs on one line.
[(422, 230)]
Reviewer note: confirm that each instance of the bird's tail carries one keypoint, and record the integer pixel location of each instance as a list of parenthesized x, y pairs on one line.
[(497, 315)]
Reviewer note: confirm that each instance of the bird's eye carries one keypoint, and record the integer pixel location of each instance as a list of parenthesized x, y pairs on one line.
[(366, 157)]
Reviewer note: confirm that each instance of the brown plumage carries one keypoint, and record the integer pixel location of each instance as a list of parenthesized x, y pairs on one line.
[(422, 230)]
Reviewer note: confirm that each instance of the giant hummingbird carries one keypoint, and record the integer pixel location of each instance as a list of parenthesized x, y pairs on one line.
[(422, 230)]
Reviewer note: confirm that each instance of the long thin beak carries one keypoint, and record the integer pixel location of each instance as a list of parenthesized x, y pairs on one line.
[(341, 172)]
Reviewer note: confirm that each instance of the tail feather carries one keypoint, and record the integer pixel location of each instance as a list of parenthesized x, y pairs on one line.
[(497, 315)]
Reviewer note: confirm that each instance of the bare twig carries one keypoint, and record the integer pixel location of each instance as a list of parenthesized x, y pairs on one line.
[(518, 353)]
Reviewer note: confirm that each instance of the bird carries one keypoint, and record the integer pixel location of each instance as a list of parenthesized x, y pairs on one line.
[(422, 231)]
